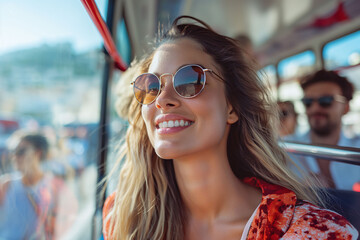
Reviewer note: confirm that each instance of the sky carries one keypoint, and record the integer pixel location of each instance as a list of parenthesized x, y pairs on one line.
[(28, 23)]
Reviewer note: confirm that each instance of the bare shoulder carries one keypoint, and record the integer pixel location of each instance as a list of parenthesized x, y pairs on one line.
[(312, 222)]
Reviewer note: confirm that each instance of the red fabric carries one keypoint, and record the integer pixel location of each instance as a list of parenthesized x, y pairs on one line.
[(338, 16), (356, 187), (108, 205), (281, 216)]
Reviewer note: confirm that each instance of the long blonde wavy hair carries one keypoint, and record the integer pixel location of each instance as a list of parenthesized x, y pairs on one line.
[(148, 204)]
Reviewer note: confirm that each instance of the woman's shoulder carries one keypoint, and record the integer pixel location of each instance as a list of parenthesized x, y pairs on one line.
[(313, 221), (282, 215)]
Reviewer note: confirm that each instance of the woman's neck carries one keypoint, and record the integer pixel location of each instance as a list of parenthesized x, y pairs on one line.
[(211, 191)]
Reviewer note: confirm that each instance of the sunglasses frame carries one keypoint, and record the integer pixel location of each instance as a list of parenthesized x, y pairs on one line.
[(173, 81), (336, 98)]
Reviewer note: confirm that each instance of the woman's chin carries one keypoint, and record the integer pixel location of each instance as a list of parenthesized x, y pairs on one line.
[(166, 153)]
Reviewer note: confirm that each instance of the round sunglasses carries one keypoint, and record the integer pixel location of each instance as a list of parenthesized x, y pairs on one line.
[(188, 82), (324, 101)]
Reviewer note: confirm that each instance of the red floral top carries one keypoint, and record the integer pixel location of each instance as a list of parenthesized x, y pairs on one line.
[(282, 216)]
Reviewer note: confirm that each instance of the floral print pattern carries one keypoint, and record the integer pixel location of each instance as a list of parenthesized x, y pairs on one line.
[(281, 216)]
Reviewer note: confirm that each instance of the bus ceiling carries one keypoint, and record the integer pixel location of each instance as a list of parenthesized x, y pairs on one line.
[(278, 28)]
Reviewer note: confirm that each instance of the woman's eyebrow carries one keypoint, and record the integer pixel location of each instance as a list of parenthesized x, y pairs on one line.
[(159, 74)]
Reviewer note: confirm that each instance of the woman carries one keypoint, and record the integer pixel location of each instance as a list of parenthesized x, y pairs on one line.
[(201, 156)]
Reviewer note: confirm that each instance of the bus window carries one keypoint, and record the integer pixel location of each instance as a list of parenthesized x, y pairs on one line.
[(51, 68), (342, 52), (343, 56), (351, 120), (296, 66), (123, 41), (290, 71)]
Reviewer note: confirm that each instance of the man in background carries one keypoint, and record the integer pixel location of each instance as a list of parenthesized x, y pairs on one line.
[(326, 99)]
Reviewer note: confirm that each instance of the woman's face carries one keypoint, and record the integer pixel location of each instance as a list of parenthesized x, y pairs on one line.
[(206, 118)]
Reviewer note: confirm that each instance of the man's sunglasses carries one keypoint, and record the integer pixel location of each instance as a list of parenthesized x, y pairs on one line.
[(188, 82), (324, 101)]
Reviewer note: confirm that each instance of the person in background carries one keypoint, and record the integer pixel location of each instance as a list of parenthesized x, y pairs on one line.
[(246, 44), (201, 158), (288, 118), (326, 100), (30, 198)]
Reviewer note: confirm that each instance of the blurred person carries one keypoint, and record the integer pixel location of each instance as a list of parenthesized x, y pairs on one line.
[(34, 204), (288, 118), (326, 99), (201, 158), (246, 44), (55, 163)]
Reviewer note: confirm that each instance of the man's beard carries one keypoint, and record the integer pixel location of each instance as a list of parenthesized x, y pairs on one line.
[(323, 130)]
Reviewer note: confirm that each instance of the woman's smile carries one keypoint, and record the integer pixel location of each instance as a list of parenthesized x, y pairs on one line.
[(171, 123)]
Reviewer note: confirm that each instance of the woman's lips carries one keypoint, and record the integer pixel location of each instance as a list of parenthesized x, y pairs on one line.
[(171, 123), (174, 123)]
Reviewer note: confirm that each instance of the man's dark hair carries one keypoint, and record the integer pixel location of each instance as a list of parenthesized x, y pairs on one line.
[(346, 87)]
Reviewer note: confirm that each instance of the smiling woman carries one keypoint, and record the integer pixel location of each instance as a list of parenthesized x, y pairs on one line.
[(203, 162)]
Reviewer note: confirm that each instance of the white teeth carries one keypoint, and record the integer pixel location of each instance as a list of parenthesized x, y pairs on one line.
[(176, 123)]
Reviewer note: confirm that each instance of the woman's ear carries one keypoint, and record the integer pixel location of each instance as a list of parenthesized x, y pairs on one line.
[(232, 116), (346, 108)]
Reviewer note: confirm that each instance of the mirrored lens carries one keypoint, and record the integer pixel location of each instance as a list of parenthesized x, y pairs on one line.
[(189, 81), (146, 88)]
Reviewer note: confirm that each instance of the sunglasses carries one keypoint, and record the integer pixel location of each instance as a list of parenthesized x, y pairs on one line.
[(325, 101), (188, 82)]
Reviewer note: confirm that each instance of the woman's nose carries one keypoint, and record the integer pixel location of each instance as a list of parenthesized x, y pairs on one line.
[(167, 98)]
